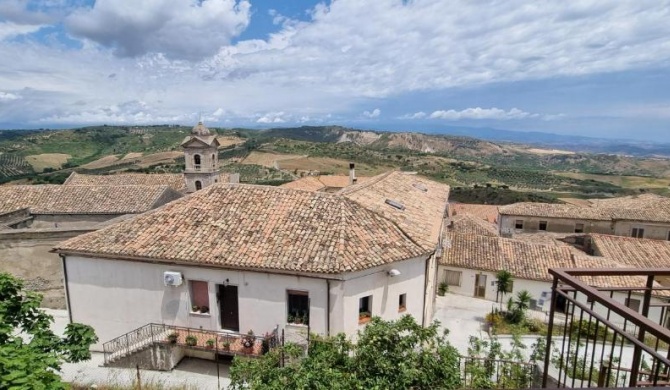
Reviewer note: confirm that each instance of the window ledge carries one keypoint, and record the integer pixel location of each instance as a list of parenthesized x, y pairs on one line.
[(293, 324), (402, 309), (198, 314), (364, 320)]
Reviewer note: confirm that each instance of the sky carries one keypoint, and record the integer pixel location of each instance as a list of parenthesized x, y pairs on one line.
[(594, 67)]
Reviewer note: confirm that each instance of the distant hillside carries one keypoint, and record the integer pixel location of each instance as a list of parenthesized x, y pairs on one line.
[(507, 170)]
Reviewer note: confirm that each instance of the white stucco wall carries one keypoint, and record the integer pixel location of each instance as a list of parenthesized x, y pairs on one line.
[(535, 288), (385, 291), (656, 231), (557, 225), (117, 296)]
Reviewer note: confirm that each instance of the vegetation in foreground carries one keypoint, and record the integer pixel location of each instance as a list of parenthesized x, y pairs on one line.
[(30, 353), (394, 355)]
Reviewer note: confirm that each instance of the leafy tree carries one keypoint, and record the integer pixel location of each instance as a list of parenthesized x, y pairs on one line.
[(388, 355), (504, 278), (30, 353)]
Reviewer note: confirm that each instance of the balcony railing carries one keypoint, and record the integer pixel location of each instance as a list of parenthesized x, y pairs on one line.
[(225, 343), (611, 336)]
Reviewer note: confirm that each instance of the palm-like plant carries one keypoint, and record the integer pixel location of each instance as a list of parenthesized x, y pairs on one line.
[(522, 301), (504, 285)]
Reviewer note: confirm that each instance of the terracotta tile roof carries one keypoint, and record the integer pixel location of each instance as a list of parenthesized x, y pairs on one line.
[(527, 261), (632, 252), (322, 182), (523, 260), (645, 207), (470, 224), (307, 183), (416, 204), (483, 211), (71, 199), (550, 210), (255, 227), (174, 180)]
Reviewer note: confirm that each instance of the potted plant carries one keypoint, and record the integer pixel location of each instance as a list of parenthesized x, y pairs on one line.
[(195, 309), (290, 319), (210, 343), (442, 289), (204, 309), (226, 345), (191, 340), (248, 340), (364, 317), (305, 318), (173, 337)]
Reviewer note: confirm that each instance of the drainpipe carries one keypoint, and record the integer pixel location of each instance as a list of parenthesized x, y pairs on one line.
[(67, 289), (328, 307)]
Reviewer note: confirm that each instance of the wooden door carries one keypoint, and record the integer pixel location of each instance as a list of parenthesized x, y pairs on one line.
[(229, 308), (480, 286)]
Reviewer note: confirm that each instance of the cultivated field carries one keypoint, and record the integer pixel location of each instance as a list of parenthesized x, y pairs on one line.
[(330, 165), (12, 165), (132, 156), (101, 162), (39, 162), (621, 181), (268, 159), (157, 158), (225, 142)]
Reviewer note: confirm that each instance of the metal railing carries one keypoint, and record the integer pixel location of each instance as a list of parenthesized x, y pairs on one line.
[(485, 373), (229, 343), (608, 337)]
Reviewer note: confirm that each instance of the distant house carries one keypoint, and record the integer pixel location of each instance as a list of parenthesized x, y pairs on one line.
[(642, 216), (471, 262), (326, 183), (257, 257), (35, 218)]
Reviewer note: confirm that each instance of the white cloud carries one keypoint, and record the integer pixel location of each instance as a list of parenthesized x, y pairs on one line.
[(333, 63), (482, 113), (372, 114), (416, 115), (272, 117), (5, 96), (178, 29), (10, 30)]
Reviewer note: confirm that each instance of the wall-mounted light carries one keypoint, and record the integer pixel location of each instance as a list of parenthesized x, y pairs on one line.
[(393, 272), (225, 282)]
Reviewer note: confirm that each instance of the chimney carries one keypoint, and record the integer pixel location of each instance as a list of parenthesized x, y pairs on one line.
[(352, 174)]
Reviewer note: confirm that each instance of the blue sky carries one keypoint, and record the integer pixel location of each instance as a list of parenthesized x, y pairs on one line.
[(593, 67)]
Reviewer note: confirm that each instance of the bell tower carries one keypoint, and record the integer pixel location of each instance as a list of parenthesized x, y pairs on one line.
[(201, 158)]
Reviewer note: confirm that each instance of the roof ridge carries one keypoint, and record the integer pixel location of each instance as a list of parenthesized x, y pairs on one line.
[(365, 184)]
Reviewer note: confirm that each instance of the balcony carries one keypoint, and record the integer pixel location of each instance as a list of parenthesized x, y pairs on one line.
[(614, 336)]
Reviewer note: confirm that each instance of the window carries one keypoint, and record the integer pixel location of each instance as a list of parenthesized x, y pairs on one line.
[(395, 204), (196, 161), (452, 278), (668, 236), (518, 225), (199, 296), (510, 287), (637, 233), (402, 302), (364, 309), (633, 304), (213, 161), (579, 228), (298, 307), (543, 225), (198, 185)]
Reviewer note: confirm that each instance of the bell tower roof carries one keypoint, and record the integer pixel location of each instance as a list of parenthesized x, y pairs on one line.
[(200, 129)]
